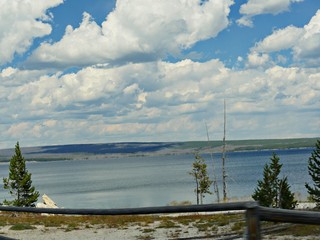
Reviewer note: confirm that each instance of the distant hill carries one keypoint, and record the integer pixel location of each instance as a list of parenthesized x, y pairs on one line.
[(86, 151), (257, 144), (71, 151)]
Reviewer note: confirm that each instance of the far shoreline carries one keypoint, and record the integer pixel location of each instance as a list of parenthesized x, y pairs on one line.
[(89, 157), (152, 149)]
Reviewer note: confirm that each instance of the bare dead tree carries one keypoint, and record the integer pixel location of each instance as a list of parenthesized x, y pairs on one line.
[(224, 175), (215, 183)]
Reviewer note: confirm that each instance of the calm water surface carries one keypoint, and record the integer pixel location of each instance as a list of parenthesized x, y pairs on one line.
[(154, 181)]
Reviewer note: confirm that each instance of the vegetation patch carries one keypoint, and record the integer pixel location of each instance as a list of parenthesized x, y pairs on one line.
[(166, 223), (238, 226), (182, 203), (22, 226), (72, 227), (145, 237), (299, 230), (148, 230)]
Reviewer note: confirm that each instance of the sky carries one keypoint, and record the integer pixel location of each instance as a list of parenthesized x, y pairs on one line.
[(99, 71)]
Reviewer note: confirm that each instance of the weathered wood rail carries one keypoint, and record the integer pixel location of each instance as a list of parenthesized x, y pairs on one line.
[(254, 213)]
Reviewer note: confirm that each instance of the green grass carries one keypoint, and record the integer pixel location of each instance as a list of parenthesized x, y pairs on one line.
[(148, 230), (166, 223), (238, 226), (22, 226), (72, 227)]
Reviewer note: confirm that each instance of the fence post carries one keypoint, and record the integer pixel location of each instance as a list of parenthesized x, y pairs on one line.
[(253, 222)]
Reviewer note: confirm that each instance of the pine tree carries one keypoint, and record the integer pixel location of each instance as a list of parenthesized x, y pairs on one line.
[(263, 193), (275, 168), (286, 197), (314, 172), (272, 191), (200, 175), (19, 182)]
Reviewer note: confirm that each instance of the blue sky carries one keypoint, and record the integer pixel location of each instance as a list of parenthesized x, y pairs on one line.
[(80, 71)]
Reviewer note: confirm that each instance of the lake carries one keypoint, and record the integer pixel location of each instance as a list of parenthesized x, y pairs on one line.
[(155, 181)]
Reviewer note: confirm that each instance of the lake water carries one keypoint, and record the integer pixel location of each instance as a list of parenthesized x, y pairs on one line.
[(155, 181)]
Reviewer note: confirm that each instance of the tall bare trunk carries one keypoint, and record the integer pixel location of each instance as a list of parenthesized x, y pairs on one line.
[(215, 183), (224, 175), (197, 190)]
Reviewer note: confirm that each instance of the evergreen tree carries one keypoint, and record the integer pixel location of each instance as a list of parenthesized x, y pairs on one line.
[(200, 175), (275, 168), (314, 172), (19, 182), (272, 191), (263, 193), (286, 197)]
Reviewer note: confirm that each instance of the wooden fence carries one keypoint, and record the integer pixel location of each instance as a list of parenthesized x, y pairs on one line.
[(254, 213)]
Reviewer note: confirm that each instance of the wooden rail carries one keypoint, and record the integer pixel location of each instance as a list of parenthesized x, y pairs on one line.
[(134, 211), (289, 216), (254, 213)]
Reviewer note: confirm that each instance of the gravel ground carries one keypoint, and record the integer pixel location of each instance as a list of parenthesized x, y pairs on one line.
[(96, 232), (132, 232)]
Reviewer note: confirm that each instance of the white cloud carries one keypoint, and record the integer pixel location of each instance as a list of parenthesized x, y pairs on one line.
[(136, 31), (14, 77), (304, 43), (256, 59), (7, 72), (279, 40), (78, 47), (257, 7), (245, 21), (125, 92), (239, 59), (159, 101), (16, 129), (307, 47), (21, 22), (294, 86)]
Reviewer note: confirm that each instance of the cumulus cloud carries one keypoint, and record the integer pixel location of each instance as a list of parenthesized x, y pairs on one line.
[(83, 45), (256, 59), (21, 22), (280, 39), (125, 90), (158, 100), (15, 77), (304, 44), (308, 46), (257, 7), (245, 21), (136, 31)]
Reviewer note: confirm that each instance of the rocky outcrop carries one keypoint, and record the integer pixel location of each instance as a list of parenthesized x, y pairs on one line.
[(46, 202)]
